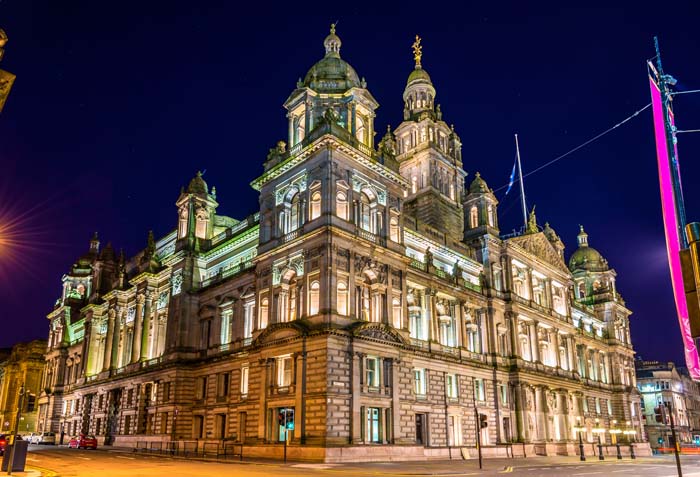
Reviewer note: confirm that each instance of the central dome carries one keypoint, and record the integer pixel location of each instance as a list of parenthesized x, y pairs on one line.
[(586, 257), (332, 73)]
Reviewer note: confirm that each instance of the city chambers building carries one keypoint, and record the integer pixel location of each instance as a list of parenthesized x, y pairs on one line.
[(370, 309)]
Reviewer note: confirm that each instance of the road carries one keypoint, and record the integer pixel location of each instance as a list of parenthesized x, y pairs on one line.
[(59, 461)]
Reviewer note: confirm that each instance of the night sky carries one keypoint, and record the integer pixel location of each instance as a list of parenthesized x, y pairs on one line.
[(118, 104)]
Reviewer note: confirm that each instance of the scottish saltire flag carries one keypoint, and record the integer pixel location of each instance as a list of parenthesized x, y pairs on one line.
[(512, 178)]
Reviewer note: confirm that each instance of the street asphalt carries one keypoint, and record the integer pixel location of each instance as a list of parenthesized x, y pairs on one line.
[(55, 461)]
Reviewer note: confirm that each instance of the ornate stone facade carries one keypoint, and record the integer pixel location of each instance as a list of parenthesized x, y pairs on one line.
[(24, 365), (369, 310)]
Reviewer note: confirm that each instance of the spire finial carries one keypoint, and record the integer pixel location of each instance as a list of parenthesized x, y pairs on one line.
[(332, 28), (417, 51)]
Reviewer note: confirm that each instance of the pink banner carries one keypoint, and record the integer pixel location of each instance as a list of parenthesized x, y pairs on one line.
[(673, 239)]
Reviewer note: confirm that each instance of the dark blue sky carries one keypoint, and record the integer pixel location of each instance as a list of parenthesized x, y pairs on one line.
[(118, 104)]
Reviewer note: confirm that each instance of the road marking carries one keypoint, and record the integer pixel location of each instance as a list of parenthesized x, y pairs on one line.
[(84, 458), (507, 470), (623, 470), (124, 457), (588, 473)]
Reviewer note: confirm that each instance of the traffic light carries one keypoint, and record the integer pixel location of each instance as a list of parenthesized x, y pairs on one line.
[(31, 402), (483, 421), (281, 417), (660, 440), (290, 419)]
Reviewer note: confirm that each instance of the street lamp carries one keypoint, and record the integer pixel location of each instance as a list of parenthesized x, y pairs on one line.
[(598, 431), (614, 431), (578, 428), (630, 433)]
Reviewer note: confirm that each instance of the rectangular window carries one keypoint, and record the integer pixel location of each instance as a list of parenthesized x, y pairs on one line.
[(372, 371), (166, 391), (222, 385), (585, 404), (244, 380), (451, 384), (284, 371), (226, 326), (419, 381), (373, 431), (609, 407), (633, 409), (479, 391), (597, 405), (200, 391), (248, 319), (503, 393)]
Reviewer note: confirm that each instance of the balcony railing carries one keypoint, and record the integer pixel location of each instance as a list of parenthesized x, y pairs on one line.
[(229, 272)]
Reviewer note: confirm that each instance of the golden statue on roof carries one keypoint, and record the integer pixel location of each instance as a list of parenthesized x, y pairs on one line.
[(417, 51)]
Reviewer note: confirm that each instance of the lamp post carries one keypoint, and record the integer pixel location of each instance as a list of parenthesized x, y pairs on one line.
[(614, 431), (598, 431), (579, 429), (630, 433)]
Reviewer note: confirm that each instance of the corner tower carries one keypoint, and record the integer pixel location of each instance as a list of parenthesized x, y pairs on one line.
[(430, 156)]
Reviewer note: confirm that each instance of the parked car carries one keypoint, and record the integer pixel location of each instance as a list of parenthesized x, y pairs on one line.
[(43, 438), (3, 443), (83, 442)]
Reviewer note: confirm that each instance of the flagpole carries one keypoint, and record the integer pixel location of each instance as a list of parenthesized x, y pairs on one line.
[(522, 186)]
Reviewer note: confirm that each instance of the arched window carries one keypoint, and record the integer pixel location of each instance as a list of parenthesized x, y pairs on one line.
[(294, 213), (473, 217), (342, 298), (315, 205), (489, 213), (341, 205), (360, 131), (264, 312), (414, 185), (313, 298), (394, 229), (582, 290), (396, 312)]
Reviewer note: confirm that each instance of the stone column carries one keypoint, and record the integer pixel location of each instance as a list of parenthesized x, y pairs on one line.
[(85, 353), (146, 329), (433, 332), (115, 338), (107, 361), (534, 341), (557, 357), (395, 401), (515, 335), (356, 431), (136, 338)]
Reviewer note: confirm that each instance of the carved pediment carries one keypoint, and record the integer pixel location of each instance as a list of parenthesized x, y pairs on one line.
[(377, 331), (538, 245), (281, 331)]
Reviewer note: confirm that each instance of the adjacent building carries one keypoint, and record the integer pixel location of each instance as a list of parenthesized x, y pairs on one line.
[(370, 308), (671, 391), (21, 366)]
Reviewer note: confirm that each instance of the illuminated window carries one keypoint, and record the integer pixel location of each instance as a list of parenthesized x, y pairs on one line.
[(313, 298), (245, 371), (372, 371), (451, 385), (264, 308), (479, 390), (489, 213), (315, 205), (226, 326), (342, 298), (284, 371), (419, 386), (473, 217), (341, 205), (396, 312), (394, 229)]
